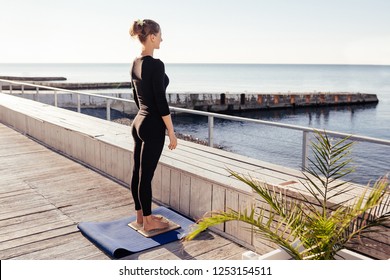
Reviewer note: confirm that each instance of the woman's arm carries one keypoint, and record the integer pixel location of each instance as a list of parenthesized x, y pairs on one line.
[(171, 132), (162, 104), (159, 87), (135, 96)]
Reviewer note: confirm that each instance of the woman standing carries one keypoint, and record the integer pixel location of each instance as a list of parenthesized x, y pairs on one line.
[(153, 119)]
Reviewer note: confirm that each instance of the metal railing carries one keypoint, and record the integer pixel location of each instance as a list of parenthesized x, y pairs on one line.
[(305, 130)]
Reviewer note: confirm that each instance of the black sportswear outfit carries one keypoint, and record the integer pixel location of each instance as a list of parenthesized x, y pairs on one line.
[(148, 129)]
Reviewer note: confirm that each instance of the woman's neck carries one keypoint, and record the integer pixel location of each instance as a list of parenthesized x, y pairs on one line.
[(147, 51)]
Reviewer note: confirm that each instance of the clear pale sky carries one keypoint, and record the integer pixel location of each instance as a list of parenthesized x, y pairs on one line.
[(198, 31)]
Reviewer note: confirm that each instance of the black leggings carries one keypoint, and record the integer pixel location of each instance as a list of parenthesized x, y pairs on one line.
[(149, 136)]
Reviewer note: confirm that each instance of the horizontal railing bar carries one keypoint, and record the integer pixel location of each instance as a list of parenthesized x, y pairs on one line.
[(282, 125), (221, 116), (67, 90)]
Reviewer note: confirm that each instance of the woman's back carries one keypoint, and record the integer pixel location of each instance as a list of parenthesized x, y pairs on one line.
[(150, 83)]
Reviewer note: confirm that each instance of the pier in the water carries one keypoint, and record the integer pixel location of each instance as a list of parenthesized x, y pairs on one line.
[(205, 101), (254, 101), (212, 102)]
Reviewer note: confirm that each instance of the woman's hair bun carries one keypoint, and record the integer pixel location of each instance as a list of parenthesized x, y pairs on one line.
[(141, 29)]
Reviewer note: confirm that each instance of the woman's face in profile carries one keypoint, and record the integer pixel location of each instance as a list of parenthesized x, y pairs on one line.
[(157, 39)]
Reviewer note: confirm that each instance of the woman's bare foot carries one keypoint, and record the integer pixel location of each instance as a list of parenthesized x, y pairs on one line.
[(151, 223), (140, 217)]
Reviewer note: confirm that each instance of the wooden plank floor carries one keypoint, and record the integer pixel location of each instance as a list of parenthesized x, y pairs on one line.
[(43, 196)]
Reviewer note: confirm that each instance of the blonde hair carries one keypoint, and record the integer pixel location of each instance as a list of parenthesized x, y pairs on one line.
[(141, 29)]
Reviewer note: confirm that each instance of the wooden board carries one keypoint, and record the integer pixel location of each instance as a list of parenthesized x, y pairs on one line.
[(139, 228), (52, 194)]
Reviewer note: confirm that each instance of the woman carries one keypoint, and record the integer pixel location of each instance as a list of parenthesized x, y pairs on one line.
[(153, 119)]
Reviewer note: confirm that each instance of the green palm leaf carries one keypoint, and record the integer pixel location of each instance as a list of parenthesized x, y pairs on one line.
[(304, 229)]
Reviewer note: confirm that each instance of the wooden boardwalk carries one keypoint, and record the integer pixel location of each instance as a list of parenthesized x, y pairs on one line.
[(192, 180), (44, 195)]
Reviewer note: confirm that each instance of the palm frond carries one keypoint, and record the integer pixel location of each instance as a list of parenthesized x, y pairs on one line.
[(273, 199), (314, 225)]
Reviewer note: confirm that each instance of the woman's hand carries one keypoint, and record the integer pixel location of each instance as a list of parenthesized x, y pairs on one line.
[(171, 131), (172, 140)]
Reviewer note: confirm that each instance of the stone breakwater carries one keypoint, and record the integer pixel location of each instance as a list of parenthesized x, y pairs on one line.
[(70, 86), (211, 102), (254, 101), (31, 79)]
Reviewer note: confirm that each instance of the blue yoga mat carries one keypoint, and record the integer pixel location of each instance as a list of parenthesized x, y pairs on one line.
[(117, 239)]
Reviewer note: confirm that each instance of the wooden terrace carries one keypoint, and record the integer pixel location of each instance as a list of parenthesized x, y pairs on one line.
[(58, 168), (43, 196)]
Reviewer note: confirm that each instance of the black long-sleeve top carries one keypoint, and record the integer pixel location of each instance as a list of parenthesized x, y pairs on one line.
[(149, 86)]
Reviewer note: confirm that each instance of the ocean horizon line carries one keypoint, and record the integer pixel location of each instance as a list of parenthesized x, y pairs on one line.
[(195, 63)]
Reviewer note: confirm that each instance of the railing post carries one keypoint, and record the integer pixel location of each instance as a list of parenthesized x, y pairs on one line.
[(1, 87), (108, 109), (211, 131), (305, 149), (55, 99), (10, 88), (37, 95), (22, 89), (78, 103)]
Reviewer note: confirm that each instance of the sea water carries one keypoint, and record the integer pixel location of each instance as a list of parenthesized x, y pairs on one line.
[(275, 145)]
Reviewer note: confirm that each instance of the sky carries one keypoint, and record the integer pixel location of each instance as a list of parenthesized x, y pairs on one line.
[(198, 31)]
